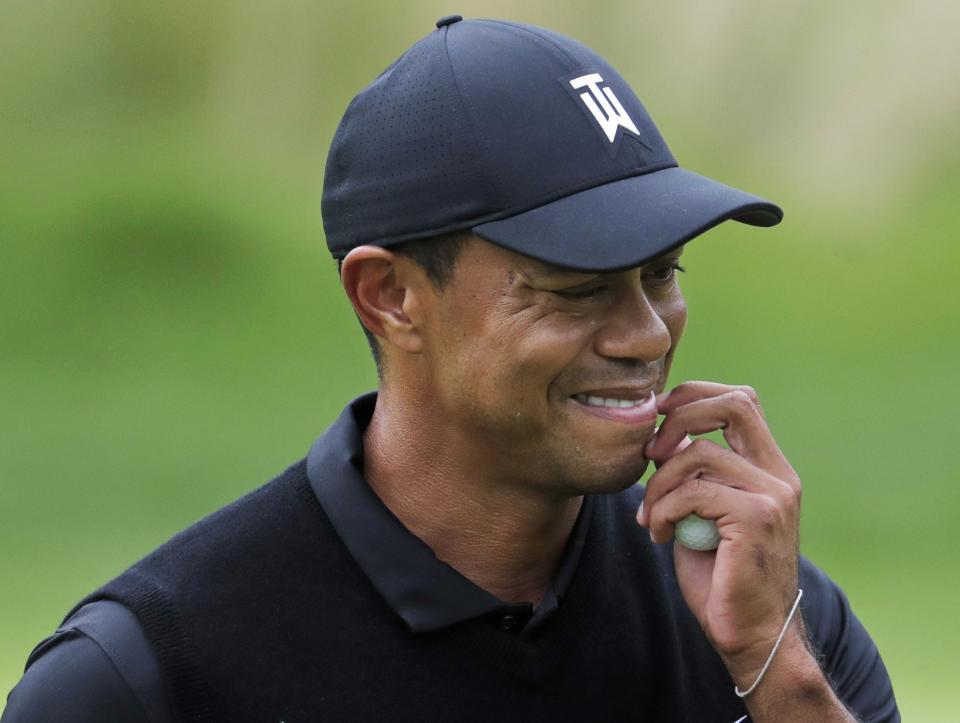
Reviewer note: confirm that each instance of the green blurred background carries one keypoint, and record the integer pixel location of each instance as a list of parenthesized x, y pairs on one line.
[(172, 332)]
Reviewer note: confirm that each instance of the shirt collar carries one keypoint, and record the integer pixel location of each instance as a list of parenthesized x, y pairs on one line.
[(426, 592)]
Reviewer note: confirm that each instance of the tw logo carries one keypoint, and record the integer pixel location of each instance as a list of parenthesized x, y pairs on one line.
[(604, 105)]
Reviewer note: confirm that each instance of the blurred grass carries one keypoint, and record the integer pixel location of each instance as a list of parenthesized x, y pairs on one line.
[(172, 332)]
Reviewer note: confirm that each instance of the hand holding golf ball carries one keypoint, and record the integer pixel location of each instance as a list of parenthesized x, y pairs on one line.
[(706, 478), (693, 531), (740, 594)]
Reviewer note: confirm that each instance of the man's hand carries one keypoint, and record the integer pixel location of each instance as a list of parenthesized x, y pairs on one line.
[(742, 592)]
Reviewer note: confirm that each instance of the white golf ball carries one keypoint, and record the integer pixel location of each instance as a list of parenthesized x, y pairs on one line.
[(697, 533)]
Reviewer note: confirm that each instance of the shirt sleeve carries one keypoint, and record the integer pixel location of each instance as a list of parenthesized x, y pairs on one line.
[(98, 666), (849, 656)]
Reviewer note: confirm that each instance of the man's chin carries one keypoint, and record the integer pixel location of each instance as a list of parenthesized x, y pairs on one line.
[(603, 480)]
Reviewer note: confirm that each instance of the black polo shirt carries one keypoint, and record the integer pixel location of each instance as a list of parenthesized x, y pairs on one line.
[(99, 665), (103, 668)]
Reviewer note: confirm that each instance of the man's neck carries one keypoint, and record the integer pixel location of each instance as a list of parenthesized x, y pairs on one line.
[(506, 539)]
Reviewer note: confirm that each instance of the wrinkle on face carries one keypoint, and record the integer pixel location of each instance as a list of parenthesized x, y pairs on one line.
[(524, 301)]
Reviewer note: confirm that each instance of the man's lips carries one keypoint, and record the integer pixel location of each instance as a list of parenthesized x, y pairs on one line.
[(628, 406)]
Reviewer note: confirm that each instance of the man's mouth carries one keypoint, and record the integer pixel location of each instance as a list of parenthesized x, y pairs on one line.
[(592, 401), (627, 406)]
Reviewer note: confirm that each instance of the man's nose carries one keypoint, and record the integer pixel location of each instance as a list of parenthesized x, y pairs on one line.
[(633, 330)]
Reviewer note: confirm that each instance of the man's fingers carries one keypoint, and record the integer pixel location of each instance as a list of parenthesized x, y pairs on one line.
[(737, 414), (731, 508), (679, 447), (707, 499), (704, 461), (691, 391), (734, 411)]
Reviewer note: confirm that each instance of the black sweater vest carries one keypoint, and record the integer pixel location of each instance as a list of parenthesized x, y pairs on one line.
[(259, 613)]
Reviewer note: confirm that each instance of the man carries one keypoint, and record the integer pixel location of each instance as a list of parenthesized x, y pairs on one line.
[(464, 545)]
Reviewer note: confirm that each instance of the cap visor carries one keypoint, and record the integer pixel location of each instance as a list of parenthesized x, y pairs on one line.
[(623, 223)]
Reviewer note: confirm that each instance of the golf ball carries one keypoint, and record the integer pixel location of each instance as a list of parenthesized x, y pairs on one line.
[(697, 533)]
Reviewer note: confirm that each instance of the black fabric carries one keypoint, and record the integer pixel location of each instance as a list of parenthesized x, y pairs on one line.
[(88, 688), (260, 613), (286, 627), (98, 666), (296, 632), (118, 633)]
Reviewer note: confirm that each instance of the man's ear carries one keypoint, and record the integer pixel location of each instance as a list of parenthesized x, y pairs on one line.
[(383, 288)]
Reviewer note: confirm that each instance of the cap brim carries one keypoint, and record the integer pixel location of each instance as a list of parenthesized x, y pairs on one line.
[(621, 224)]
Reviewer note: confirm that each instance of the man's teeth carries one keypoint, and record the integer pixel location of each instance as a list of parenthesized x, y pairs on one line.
[(603, 402)]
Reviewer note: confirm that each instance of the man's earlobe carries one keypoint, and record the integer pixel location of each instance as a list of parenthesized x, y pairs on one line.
[(377, 284)]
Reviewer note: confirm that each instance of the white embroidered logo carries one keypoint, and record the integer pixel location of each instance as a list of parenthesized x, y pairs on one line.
[(604, 105)]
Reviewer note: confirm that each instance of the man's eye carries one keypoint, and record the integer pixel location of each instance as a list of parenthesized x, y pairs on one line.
[(663, 273), (581, 293)]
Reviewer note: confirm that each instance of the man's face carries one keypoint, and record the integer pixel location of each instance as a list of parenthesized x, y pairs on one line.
[(546, 376)]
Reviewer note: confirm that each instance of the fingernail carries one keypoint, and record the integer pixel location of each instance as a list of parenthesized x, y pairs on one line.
[(662, 398), (640, 513), (650, 442)]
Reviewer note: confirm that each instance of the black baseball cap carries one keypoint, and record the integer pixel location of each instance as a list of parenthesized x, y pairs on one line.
[(524, 136)]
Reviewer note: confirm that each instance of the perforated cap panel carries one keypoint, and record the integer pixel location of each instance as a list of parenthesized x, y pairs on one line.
[(401, 162)]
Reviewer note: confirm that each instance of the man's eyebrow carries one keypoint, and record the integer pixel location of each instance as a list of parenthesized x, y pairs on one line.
[(555, 270), (550, 269)]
